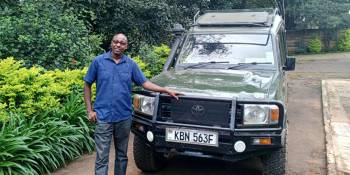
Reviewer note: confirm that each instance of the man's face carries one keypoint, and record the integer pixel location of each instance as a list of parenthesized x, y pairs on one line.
[(119, 44)]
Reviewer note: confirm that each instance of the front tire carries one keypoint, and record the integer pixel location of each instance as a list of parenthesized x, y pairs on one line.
[(146, 159), (275, 163)]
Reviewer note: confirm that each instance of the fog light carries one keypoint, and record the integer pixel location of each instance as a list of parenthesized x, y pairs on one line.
[(239, 146), (150, 136)]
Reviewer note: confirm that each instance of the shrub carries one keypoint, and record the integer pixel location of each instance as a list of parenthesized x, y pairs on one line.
[(46, 33), (43, 121), (142, 65), (34, 90), (44, 142), (154, 57), (314, 45), (344, 43)]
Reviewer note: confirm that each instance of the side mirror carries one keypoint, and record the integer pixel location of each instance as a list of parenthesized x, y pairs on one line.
[(178, 29), (290, 64)]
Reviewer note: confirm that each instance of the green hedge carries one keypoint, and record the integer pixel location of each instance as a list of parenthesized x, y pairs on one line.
[(43, 122), (33, 90), (314, 45), (344, 43), (154, 57)]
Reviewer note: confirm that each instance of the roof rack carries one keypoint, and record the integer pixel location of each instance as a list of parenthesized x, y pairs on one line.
[(237, 17)]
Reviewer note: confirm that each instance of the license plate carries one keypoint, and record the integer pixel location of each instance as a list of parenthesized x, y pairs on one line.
[(190, 136)]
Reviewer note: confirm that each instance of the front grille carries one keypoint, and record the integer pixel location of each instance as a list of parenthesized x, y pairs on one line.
[(239, 116), (195, 111)]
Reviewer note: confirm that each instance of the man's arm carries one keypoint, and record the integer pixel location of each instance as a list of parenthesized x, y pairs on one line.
[(153, 87), (87, 99)]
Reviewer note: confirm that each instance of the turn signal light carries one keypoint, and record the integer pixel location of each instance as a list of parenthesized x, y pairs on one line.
[(262, 141), (275, 115), (265, 141), (136, 102)]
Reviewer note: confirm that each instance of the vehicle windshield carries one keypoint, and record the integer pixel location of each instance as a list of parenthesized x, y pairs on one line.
[(228, 49)]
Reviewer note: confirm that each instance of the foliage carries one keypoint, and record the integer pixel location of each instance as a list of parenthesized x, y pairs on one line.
[(314, 45), (6, 5), (40, 144), (48, 34), (322, 14), (141, 20), (183, 11), (149, 21), (142, 65), (42, 118), (344, 43), (326, 15), (154, 57), (34, 90)]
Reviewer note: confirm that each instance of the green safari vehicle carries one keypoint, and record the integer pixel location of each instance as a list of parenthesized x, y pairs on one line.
[(231, 66)]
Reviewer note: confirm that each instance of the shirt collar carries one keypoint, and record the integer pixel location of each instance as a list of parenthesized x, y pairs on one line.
[(108, 56)]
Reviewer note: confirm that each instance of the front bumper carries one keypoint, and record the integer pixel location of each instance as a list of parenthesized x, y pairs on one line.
[(226, 139)]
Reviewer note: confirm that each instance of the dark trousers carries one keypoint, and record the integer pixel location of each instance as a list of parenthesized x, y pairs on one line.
[(103, 136)]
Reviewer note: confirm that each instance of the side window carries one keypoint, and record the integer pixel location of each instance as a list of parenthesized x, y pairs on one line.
[(282, 45)]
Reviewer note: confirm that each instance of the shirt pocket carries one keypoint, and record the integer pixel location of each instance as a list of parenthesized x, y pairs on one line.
[(125, 76), (104, 75)]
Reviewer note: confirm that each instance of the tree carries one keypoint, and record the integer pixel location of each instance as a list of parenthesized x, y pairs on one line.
[(47, 34), (143, 21), (326, 15), (7, 4), (149, 21)]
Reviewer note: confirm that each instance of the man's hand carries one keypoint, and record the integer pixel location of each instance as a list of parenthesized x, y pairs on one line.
[(174, 94), (153, 87), (92, 116)]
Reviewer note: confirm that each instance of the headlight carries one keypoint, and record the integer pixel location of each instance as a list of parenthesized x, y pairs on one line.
[(143, 104), (260, 114)]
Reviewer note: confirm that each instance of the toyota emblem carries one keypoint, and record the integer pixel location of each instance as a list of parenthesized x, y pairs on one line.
[(198, 110)]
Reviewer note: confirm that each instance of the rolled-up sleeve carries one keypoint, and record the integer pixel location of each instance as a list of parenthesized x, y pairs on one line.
[(137, 75), (91, 74)]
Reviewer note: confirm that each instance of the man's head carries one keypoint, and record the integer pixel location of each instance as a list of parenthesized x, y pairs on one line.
[(119, 44)]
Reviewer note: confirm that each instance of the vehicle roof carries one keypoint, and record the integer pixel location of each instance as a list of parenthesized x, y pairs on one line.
[(257, 21), (245, 30), (227, 18)]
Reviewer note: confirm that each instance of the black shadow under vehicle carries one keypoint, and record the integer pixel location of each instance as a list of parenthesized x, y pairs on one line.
[(231, 67)]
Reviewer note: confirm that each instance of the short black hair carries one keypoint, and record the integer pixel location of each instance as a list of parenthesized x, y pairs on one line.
[(120, 33)]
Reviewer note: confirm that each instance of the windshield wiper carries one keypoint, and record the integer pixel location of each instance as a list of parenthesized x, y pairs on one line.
[(247, 64), (200, 64)]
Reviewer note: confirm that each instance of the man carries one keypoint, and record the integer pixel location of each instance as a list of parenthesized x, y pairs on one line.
[(114, 73)]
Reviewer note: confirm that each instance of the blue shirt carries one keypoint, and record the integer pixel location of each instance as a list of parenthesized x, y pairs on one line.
[(113, 86)]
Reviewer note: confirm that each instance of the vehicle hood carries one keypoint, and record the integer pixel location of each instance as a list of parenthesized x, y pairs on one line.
[(241, 84)]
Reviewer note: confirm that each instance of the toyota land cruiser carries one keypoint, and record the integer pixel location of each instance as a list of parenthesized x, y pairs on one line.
[(231, 66)]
